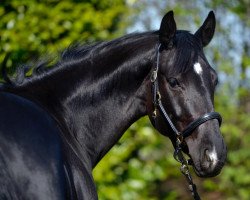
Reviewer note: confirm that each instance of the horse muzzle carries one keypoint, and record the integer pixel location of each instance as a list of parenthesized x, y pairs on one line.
[(209, 161)]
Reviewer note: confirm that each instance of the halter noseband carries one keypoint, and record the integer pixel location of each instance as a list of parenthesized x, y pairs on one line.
[(180, 135)]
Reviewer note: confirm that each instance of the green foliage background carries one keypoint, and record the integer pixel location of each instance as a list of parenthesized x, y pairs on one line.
[(141, 165), (29, 28)]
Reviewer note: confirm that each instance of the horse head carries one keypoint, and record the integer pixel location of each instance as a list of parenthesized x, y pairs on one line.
[(183, 95)]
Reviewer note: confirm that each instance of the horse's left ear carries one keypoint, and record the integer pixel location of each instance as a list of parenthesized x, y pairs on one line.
[(206, 32), (168, 29)]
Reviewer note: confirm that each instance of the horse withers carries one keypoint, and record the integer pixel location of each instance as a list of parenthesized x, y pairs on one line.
[(56, 125)]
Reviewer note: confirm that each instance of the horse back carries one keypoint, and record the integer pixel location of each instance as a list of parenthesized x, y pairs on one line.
[(31, 161)]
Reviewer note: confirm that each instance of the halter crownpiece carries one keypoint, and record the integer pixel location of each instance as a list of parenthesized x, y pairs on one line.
[(180, 135)]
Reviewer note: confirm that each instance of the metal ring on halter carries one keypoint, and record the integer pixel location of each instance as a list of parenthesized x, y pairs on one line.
[(179, 138)]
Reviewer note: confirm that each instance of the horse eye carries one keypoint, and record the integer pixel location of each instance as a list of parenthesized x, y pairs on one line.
[(173, 82), (216, 82)]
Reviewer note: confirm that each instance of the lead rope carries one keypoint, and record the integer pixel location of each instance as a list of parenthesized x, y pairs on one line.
[(178, 151), (185, 170)]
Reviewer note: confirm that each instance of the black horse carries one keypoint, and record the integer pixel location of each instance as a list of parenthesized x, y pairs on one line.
[(56, 125)]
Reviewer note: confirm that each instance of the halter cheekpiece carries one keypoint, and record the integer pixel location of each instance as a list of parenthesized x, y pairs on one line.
[(180, 135)]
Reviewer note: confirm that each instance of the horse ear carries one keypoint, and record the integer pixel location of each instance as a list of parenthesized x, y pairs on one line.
[(206, 32), (168, 29)]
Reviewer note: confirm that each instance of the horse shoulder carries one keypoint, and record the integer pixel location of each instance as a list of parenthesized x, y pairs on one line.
[(31, 161)]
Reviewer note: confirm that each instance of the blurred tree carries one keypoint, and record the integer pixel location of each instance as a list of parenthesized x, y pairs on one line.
[(29, 28)]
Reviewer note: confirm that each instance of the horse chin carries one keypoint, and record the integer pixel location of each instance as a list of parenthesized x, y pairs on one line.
[(202, 169), (204, 174)]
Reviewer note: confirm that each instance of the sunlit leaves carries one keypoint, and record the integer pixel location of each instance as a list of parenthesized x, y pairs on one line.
[(45, 27), (138, 165)]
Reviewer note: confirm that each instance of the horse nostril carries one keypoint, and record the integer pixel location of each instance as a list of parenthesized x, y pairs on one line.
[(210, 164), (208, 157), (208, 160)]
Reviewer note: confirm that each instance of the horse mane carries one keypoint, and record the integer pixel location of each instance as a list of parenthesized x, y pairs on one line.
[(75, 53), (78, 52)]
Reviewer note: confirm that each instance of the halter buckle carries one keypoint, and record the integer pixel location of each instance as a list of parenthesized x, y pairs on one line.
[(158, 96), (153, 76), (179, 139)]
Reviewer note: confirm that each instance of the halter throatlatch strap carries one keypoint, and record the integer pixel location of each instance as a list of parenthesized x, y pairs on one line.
[(180, 135)]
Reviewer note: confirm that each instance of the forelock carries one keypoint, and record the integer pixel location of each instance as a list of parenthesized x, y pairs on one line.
[(186, 51)]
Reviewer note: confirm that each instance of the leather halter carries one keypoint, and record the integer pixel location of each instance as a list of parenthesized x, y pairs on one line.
[(180, 135)]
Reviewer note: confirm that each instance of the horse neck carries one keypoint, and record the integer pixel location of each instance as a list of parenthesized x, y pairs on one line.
[(97, 105)]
